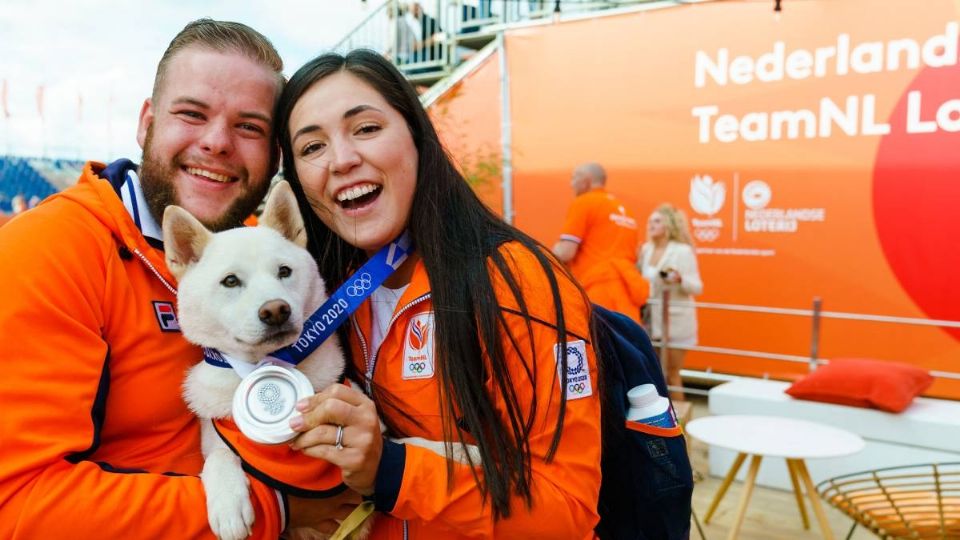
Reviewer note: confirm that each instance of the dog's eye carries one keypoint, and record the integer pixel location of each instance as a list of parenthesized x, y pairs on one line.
[(284, 272), (230, 281)]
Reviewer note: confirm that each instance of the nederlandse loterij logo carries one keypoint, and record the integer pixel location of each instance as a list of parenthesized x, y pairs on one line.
[(756, 194), (706, 195), (760, 217), (166, 316)]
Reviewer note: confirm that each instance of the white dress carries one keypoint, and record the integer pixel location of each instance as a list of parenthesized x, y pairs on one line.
[(683, 316)]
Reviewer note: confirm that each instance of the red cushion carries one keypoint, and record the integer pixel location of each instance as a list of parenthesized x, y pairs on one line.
[(859, 382)]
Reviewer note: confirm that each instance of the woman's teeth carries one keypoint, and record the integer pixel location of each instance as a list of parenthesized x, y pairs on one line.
[(355, 193)]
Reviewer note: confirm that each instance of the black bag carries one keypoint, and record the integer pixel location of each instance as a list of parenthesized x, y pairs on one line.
[(647, 479)]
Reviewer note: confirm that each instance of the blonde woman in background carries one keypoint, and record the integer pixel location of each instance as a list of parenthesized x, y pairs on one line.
[(668, 262)]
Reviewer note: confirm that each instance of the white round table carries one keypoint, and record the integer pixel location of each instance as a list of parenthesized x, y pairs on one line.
[(771, 436)]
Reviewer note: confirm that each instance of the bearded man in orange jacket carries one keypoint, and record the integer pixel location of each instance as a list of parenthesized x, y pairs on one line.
[(599, 244), (97, 440)]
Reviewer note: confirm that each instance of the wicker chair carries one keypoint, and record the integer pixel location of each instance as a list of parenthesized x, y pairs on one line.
[(915, 502)]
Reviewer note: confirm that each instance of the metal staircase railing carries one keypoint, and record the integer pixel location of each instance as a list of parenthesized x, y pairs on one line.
[(462, 27)]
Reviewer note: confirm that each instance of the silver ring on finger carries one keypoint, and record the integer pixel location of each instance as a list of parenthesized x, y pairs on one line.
[(339, 442)]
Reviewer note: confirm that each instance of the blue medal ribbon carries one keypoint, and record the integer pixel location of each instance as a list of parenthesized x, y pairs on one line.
[(338, 308)]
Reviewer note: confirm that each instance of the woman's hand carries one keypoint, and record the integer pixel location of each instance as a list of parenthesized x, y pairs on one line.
[(672, 276), (347, 410)]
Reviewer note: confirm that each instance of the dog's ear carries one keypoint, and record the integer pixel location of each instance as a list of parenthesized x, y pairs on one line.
[(184, 239), (281, 213)]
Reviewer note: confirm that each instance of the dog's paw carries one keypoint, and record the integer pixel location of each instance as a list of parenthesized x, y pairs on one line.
[(229, 510), (231, 520)]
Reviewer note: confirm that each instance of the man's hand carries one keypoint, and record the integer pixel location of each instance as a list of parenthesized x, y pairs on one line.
[(321, 515)]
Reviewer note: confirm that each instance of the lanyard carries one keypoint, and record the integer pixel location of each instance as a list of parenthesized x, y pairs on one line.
[(337, 309)]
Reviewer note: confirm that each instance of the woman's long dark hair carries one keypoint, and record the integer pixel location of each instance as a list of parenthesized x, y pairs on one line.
[(456, 236)]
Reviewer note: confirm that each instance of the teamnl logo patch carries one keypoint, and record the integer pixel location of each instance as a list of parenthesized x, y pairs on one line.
[(166, 316), (578, 369), (418, 347)]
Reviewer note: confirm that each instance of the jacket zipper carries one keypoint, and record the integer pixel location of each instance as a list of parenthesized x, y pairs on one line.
[(166, 284), (363, 349), (371, 361)]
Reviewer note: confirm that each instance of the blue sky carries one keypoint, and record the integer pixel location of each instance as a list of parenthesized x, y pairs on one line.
[(104, 53)]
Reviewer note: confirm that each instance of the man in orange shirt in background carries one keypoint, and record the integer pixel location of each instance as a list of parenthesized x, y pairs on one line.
[(599, 244)]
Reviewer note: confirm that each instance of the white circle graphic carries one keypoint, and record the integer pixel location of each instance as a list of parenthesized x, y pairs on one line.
[(756, 194)]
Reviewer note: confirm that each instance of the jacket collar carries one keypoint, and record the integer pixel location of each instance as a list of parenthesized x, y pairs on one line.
[(99, 196), (122, 175), (418, 287)]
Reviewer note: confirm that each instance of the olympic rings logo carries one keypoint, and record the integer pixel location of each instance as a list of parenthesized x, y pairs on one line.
[(360, 285), (706, 235), (577, 388), (417, 367)]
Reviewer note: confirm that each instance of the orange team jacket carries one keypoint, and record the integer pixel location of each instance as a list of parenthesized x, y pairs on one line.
[(605, 263), (411, 483), (96, 439)]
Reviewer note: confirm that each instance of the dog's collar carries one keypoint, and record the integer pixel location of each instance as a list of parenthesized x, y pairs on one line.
[(334, 312)]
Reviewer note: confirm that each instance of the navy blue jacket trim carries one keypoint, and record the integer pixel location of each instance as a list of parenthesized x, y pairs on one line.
[(130, 470), (277, 484), (389, 475), (122, 470), (116, 173), (97, 413), (154, 243)]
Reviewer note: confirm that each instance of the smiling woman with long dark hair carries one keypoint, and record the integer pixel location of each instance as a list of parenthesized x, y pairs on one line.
[(480, 337)]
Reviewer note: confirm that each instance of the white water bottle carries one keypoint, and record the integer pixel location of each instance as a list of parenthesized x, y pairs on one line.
[(649, 407)]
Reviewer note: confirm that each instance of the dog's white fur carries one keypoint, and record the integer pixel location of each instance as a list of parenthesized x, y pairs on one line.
[(214, 315)]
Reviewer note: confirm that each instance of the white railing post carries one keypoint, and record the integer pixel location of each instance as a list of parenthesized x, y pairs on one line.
[(664, 330), (815, 332)]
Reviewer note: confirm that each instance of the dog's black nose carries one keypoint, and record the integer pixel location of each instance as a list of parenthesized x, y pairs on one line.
[(275, 312)]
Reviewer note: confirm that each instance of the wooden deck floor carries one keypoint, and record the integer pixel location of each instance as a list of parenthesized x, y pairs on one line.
[(772, 514)]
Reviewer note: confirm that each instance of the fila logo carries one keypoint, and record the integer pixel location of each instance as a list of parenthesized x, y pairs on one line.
[(166, 316)]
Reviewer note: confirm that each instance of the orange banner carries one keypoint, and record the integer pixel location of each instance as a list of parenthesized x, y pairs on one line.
[(814, 153)]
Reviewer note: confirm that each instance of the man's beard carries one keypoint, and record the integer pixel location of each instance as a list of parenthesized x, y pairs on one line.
[(156, 181)]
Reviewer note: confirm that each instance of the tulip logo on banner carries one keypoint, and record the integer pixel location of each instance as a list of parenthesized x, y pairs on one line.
[(707, 197)]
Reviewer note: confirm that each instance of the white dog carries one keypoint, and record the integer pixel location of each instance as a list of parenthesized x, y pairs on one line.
[(247, 292)]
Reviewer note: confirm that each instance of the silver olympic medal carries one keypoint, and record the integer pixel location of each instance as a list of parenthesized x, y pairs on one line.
[(265, 402)]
